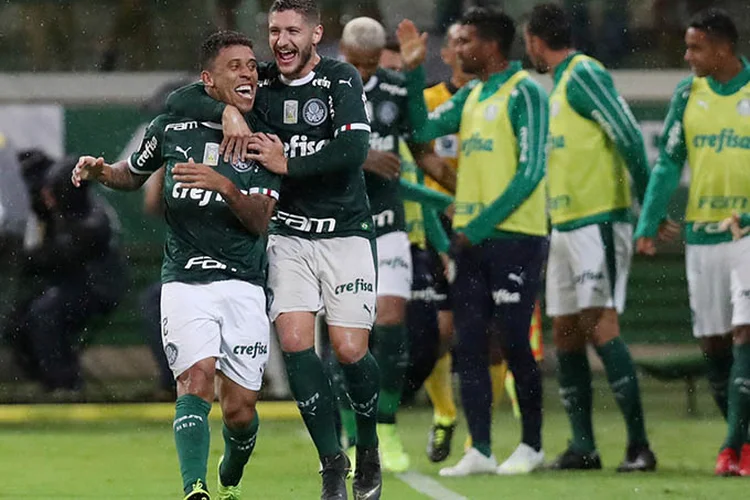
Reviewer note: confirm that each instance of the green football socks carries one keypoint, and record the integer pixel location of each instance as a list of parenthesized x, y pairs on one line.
[(574, 376), (192, 438)]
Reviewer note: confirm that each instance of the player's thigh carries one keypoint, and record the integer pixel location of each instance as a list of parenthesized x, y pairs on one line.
[(709, 287), (471, 294), (740, 279), (394, 265), (292, 276), (560, 289), (514, 270), (190, 325), (600, 258), (347, 279), (245, 332)]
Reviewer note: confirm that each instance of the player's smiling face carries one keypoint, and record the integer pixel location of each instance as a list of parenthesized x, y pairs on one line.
[(366, 61), (233, 77), (293, 38), (702, 54)]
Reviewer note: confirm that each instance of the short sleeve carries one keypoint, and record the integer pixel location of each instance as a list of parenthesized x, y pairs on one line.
[(148, 158)]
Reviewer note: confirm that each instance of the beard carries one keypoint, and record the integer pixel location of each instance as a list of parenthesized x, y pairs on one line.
[(305, 55)]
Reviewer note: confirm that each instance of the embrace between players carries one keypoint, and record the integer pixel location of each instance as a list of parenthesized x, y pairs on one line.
[(310, 137)]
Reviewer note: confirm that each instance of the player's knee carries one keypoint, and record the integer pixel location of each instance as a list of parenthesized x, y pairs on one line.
[(716, 345), (566, 334), (198, 380), (238, 413)]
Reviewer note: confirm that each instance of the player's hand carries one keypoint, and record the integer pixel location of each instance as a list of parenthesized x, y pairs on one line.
[(734, 225), (669, 230), (449, 267), (268, 150), (459, 243), (646, 246), (413, 45), (88, 168), (384, 164), (200, 176), (237, 135)]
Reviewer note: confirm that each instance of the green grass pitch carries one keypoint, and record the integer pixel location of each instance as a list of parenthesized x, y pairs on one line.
[(129, 454)]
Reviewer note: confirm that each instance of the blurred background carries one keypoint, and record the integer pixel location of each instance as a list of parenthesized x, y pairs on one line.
[(82, 76)]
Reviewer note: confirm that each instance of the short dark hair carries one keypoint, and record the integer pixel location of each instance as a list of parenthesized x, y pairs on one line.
[(391, 43), (550, 22), (221, 39), (492, 25), (717, 24), (308, 8)]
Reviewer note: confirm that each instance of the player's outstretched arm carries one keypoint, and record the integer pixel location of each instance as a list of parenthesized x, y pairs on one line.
[(665, 176), (529, 112), (193, 102), (435, 167), (116, 176), (424, 196), (434, 231)]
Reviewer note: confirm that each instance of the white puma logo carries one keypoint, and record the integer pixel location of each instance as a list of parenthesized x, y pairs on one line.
[(348, 82), (518, 278), (183, 151)]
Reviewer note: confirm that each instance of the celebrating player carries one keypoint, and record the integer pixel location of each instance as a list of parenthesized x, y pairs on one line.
[(500, 224), (320, 249), (213, 304), (594, 143), (708, 126)]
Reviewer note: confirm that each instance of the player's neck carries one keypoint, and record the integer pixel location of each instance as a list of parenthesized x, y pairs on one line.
[(493, 66), (728, 71), (307, 68), (556, 57), (459, 78)]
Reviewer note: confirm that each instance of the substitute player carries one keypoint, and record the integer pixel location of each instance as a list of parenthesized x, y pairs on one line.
[(594, 143), (320, 250), (213, 303), (500, 240), (709, 126)]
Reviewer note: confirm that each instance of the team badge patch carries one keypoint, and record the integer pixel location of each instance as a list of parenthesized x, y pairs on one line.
[(490, 112), (387, 112), (211, 154), (314, 112), (291, 112), (171, 351), (242, 166), (743, 107)]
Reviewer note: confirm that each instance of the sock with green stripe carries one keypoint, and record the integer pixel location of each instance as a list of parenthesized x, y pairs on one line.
[(392, 355), (624, 384), (312, 390), (362, 382), (738, 415), (238, 446), (574, 376), (192, 438)]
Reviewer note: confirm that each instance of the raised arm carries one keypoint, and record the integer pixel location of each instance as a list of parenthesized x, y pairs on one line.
[(529, 115), (592, 94)]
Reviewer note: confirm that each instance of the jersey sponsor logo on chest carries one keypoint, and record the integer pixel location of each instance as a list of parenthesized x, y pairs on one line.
[(477, 143)]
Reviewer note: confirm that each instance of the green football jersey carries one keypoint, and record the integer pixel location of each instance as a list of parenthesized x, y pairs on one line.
[(389, 120), (205, 240), (323, 194)]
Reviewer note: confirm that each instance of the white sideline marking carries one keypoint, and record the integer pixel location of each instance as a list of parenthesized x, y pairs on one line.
[(428, 486)]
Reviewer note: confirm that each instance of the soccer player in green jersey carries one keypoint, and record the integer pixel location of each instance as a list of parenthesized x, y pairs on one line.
[(320, 250), (213, 302), (709, 126), (500, 224), (362, 43), (594, 143)]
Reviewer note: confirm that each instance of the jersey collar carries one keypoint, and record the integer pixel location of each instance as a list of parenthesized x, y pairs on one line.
[(299, 81), (733, 85), (497, 80), (371, 83), (560, 69)]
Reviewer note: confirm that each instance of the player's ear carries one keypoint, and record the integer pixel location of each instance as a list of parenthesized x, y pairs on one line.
[(206, 78), (317, 34)]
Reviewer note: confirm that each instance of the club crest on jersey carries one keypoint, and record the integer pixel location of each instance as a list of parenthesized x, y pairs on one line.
[(291, 112), (490, 112), (171, 352), (211, 154), (743, 107), (314, 112), (242, 166), (387, 112)]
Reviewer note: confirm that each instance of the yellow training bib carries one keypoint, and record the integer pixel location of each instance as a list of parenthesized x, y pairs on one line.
[(717, 136), (488, 159), (412, 209)]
